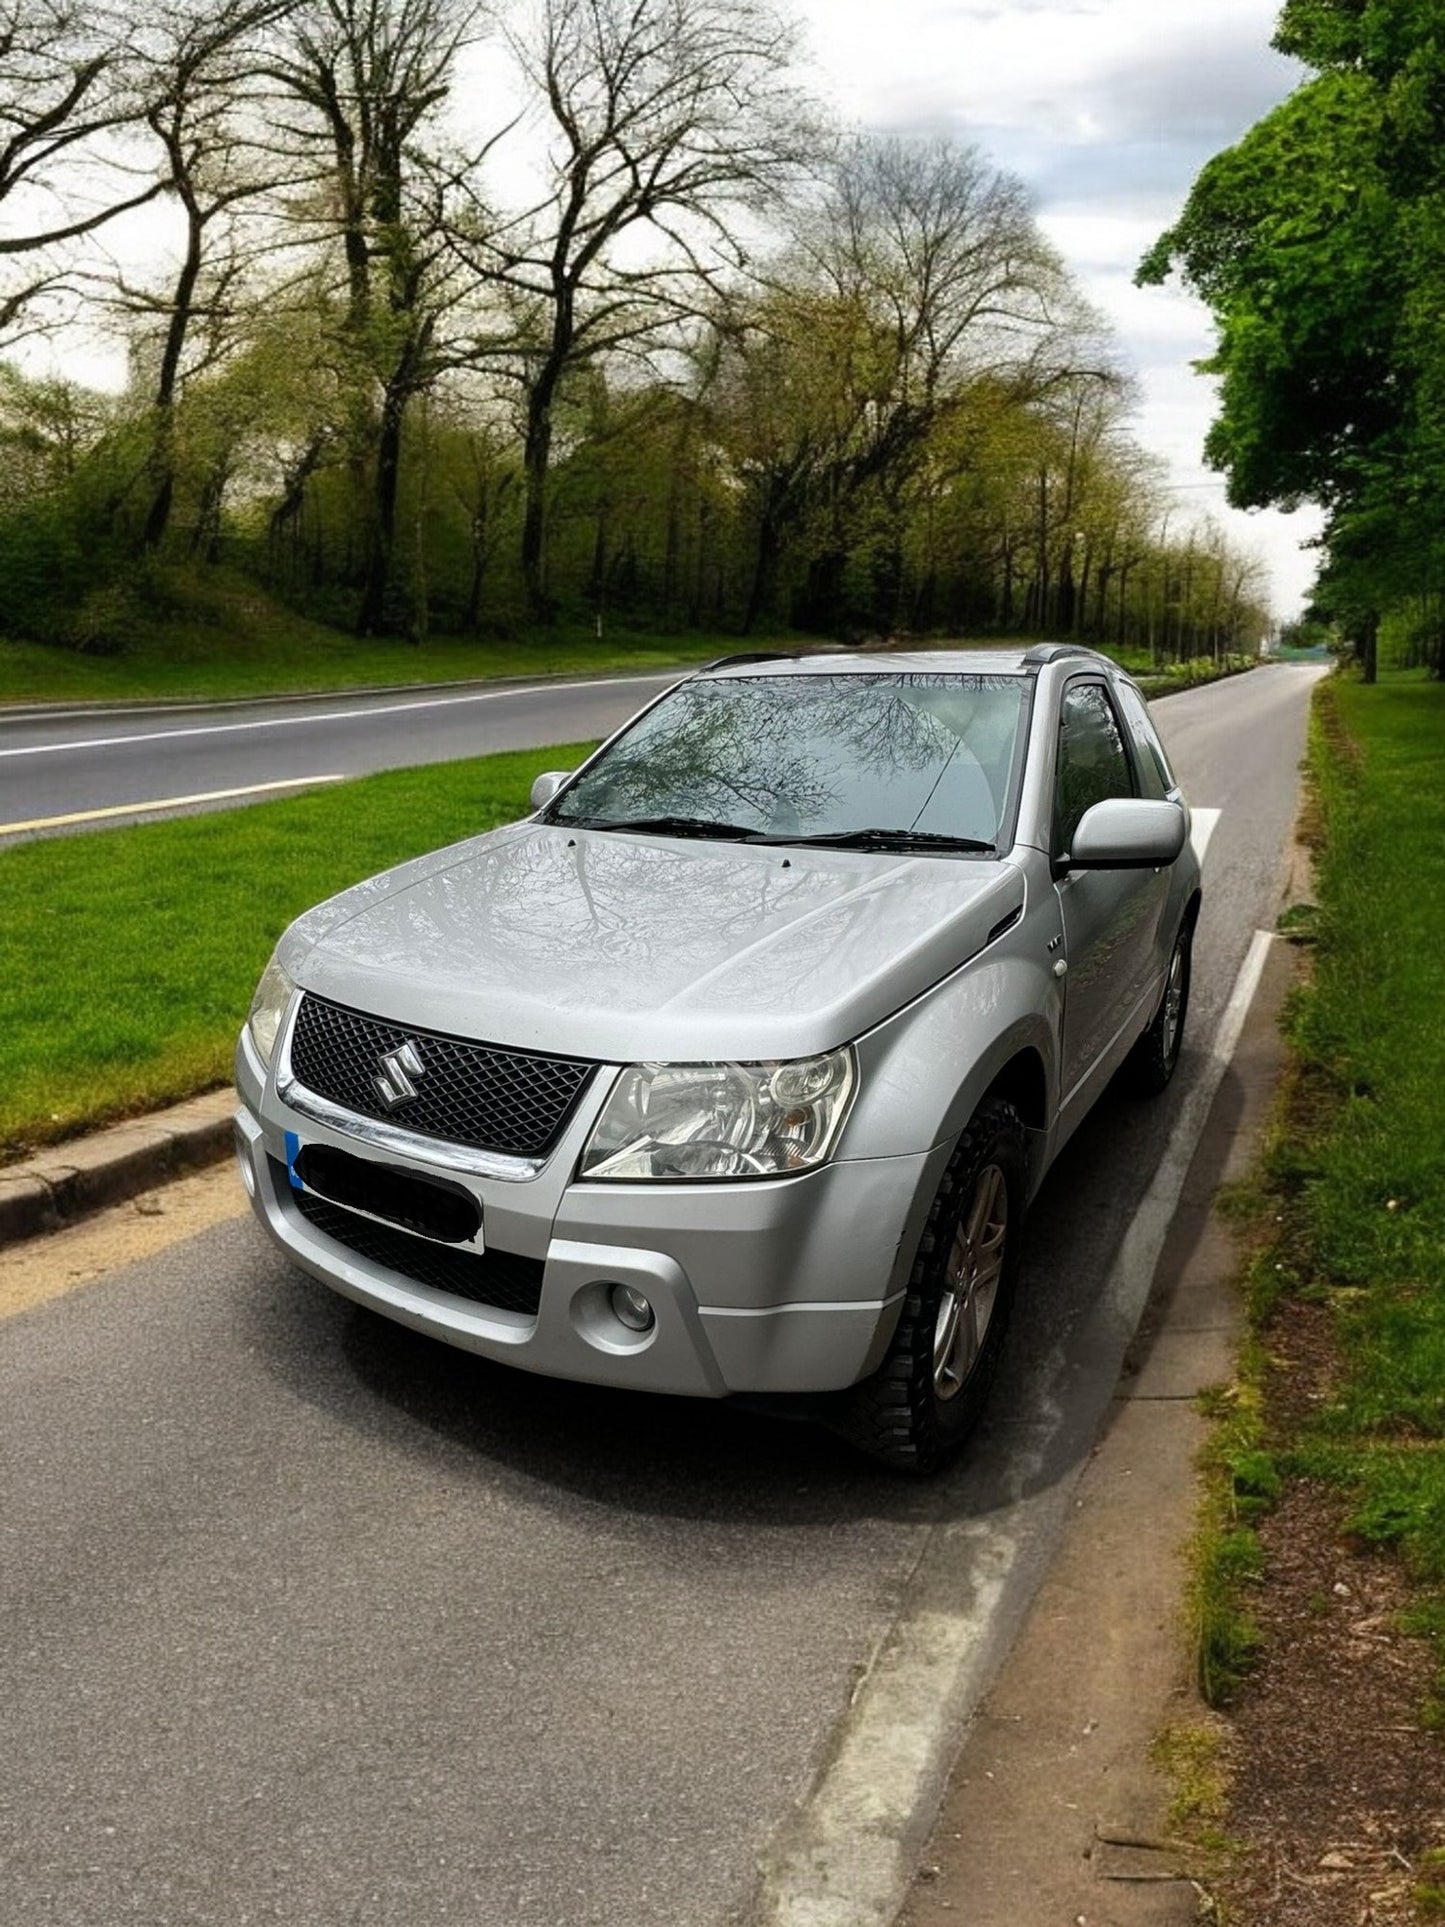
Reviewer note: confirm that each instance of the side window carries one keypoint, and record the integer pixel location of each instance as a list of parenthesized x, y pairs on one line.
[(1155, 776), (1093, 763)]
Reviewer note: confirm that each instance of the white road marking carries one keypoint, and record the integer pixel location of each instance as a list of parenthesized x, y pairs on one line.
[(1205, 822), (162, 803), (329, 715), (848, 1857), (1139, 1253)]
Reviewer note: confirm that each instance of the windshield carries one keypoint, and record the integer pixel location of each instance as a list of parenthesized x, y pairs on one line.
[(800, 757)]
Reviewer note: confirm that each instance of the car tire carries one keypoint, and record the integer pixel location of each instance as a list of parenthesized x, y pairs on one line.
[(921, 1404), (1152, 1062)]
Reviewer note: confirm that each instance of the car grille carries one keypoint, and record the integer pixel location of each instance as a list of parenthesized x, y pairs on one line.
[(476, 1094), (496, 1278)]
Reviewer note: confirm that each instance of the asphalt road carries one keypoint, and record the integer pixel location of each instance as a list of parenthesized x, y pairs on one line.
[(96, 767), (304, 1619)]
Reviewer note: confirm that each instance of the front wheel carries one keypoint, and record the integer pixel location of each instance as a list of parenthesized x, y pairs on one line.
[(923, 1401), (1151, 1063)]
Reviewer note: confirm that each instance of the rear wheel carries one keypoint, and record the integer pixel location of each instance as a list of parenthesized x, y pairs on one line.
[(1151, 1063), (924, 1400)]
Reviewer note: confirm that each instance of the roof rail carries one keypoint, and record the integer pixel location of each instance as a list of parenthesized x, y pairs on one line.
[(749, 655), (1043, 652)]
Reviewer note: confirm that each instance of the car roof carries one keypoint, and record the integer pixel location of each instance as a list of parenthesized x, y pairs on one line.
[(1009, 661)]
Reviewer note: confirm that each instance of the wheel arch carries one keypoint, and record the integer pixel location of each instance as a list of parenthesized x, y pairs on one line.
[(1024, 1083)]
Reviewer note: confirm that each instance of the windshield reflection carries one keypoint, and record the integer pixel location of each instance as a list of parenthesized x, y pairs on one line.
[(803, 756)]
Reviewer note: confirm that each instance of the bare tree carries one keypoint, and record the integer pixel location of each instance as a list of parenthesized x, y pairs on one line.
[(368, 79), (912, 283), (61, 68), (937, 254), (196, 66), (665, 119)]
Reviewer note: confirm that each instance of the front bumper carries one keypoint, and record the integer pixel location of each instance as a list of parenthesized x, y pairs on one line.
[(791, 1285)]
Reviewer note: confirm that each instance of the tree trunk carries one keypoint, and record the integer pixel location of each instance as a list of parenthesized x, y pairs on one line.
[(1369, 646), (381, 532), (597, 575), (472, 615), (163, 447), (536, 460), (765, 568), (206, 535)]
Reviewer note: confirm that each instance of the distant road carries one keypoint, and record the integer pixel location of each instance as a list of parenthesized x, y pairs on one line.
[(103, 768)]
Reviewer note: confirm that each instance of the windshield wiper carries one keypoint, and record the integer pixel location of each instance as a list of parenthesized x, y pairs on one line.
[(880, 839), (863, 839), (659, 826)]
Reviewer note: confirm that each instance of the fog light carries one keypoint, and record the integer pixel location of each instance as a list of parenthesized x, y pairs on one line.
[(243, 1160), (631, 1308)]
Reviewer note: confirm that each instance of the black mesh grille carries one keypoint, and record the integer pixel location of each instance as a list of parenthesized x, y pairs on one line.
[(497, 1278), (476, 1094)]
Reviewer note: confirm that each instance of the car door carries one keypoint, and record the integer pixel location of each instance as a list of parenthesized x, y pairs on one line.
[(1110, 917), (1155, 779)]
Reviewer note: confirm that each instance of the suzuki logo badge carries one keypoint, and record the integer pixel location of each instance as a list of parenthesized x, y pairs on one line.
[(399, 1067)]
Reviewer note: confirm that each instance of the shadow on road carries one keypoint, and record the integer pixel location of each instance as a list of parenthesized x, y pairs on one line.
[(699, 1459)]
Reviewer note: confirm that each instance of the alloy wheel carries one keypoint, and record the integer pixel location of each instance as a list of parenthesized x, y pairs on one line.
[(971, 1283)]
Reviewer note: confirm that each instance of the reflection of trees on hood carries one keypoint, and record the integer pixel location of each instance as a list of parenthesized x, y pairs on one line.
[(715, 749)]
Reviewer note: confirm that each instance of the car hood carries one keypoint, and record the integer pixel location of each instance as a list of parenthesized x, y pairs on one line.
[(624, 948)]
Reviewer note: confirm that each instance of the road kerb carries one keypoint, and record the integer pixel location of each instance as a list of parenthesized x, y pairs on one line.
[(68, 1181), (1055, 1810), (846, 1857)]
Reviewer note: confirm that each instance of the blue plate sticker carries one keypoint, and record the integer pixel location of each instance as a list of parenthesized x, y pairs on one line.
[(293, 1146)]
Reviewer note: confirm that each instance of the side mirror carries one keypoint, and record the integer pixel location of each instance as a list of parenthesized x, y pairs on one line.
[(1128, 833), (546, 786)]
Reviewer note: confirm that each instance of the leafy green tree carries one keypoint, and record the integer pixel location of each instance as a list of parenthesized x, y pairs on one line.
[(1319, 243)]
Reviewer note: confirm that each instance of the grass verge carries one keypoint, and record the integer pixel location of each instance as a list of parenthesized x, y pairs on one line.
[(127, 960), (1349, 1203), (220, 636), (178, 663), (1357, 1178), (1342, 1381)]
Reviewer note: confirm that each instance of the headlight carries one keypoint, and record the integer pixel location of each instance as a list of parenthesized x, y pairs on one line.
[(721, 1120), (268, 1007)]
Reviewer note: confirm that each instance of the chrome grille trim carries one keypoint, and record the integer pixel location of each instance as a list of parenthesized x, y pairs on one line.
[(460, 1158)]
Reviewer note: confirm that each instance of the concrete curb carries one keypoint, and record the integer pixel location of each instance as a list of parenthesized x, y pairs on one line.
[(70, 1180)]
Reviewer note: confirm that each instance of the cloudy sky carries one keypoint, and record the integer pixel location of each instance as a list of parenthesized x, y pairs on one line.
[(1107, 109)]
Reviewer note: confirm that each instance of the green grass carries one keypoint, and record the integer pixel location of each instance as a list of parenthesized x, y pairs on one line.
[(1225, 1559), (1348, 1202), (299, 656), (1191, 1756), (127, 959), (1369, 1203), (1347, 1206), (220, 635)]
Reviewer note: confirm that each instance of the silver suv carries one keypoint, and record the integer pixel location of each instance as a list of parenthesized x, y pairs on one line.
[(733, 1068)]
